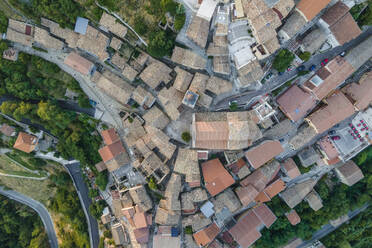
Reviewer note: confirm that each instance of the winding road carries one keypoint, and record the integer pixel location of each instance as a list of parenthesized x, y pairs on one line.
[(39, 208)]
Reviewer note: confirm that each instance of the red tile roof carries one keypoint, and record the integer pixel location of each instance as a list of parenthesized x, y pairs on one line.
[(245, 232), (78, 63), (328, 148), (25, 142), (360, 93), (295, 102), (291, 168), (335, 13), (337, 109), (246, 194), (293, 217), (256, 179), (111, 151), (262, 197), (346, 29), (340, 70), (275, 188), (109, 136), (311, 8), (142, 235), (263, 153), (265, 215), (206, 235), (216, 177)]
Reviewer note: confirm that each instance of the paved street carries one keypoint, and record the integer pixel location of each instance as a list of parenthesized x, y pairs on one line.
[(245, 98), (39, 208), (82, 190), (326, 229)]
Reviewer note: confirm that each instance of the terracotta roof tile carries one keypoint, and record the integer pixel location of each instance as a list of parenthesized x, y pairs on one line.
[(245, 232), (291, 168), (360, 93), (78, 63), (216, 177), (295, 102), (293, 217), (262, 197), (335, 13), (111, 151), (275, 188), (25, 142), (311, 8), (109, 136), (263, 153), (337, 109), (265, 215), (345, 29), (206, 235)]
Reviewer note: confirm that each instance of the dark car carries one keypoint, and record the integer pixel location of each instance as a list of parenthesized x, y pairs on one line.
[(301, 68), (332, 132), (312, 68), (281, 73)]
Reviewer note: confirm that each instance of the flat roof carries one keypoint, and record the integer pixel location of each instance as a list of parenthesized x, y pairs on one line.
[(81, 25)]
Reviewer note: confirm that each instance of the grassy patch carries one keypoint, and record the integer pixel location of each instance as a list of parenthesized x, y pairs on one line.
[(38, 190)]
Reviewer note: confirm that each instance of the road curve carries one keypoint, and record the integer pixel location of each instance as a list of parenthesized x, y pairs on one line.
[(39, 208)]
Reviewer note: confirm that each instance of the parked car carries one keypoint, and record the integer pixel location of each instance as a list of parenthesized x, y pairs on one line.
[(301, 68), (342, 54), (92, 103), (312, 68), (335, 137), (332, 132), (324, 62), (281, 73), (290, 68)]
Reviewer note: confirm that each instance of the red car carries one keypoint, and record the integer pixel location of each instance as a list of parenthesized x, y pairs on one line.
[(324, 62), (335, 137)]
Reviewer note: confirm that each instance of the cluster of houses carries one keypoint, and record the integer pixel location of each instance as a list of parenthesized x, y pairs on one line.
[(212, 191)]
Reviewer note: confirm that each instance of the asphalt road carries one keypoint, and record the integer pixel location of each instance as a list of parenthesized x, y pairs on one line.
[(39, 208), (82, 190), (245, 98), (327, 229)]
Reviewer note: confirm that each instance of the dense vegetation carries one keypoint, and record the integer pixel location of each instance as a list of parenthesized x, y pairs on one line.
[(72, 224), (63, 12), (3, 22), (357, 233), (337, 201), (362, 13), (35, 85), (20, 226), (283, 60), (144, 17)]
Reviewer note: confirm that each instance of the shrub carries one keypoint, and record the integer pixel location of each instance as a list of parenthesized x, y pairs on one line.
[(283, 60), (186, 136), (305, 56), (188, 230), (179, 22), (233, 106), (152, 184)]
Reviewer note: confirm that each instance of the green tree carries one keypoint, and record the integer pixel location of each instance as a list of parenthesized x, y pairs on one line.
[(3, 22), (140, 25), (305, 56), (283, 60), (186, 137), (102, 180), (160, 44), (179, 22), (152, 184)]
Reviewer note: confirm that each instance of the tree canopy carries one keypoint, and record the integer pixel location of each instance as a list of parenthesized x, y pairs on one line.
[(20, 226), (283, 60)]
